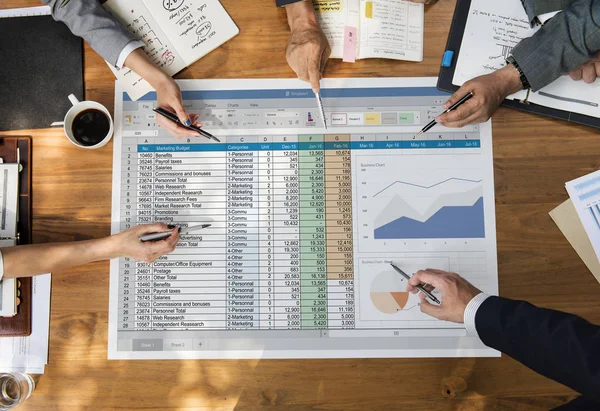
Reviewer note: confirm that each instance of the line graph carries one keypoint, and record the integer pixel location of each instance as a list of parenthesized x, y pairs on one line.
[(443, 201), (430, 186)]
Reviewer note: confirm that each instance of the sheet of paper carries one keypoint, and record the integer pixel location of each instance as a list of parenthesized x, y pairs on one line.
[(493, 29), (134, 16), (585, 194), (391, 29), (30, 353), (305, 222), (195, 27), (566, 218), (334, 16)]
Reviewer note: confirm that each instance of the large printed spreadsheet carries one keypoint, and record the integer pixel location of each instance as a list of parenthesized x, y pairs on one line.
[(304, 222)]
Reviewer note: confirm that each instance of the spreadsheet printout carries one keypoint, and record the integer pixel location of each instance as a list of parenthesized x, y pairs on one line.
[(304, 221)]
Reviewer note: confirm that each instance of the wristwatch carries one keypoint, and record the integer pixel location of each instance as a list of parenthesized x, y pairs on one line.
[(522, 77)]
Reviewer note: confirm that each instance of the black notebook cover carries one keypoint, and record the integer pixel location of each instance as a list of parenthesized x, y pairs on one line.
[(41, 63)]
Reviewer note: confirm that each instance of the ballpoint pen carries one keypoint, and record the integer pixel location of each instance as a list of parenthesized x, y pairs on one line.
[(452, 107), (167, 234), (320, 104), (173, 117), (418, 287)]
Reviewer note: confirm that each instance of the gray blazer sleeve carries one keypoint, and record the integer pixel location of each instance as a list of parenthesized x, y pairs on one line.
[(567, 41), (89, 20)]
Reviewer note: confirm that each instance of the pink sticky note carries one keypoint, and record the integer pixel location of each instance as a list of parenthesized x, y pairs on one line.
[(349, 44)]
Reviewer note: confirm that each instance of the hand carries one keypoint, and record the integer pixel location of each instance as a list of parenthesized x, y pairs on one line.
[(456, 293), (307, 49), (488, 92), (128, 244), (589, 71), (169, 98)]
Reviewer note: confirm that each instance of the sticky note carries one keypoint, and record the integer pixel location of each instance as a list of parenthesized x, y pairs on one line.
[(327, 6), (369, 10), (349, 44)]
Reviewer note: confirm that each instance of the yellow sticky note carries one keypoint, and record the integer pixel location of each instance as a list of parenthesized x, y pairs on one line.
[(372, 118), (327, 6), (369, 9)]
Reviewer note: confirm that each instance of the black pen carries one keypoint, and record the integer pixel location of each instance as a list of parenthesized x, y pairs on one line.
[(452, 107), (167, 234), (173, 117), (418, 287)]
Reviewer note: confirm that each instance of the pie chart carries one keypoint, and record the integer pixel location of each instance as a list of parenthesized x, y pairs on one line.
[(388, 292)]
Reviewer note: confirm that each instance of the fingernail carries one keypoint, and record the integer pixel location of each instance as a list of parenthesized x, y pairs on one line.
[(178, 229), (188, 122), (171, 226)]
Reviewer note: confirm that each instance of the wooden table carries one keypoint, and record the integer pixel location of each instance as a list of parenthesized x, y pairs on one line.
[(534, 156)]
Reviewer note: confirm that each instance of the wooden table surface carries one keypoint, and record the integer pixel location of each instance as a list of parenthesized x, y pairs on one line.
[(533, 157)]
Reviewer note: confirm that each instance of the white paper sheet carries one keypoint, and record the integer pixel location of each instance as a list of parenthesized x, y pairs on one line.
[(493, 29), (234, 290), (585, 194), (30, 354)]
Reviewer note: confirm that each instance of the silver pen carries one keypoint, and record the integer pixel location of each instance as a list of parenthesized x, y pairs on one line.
[(167, 234), (418, 287), (320, 103)]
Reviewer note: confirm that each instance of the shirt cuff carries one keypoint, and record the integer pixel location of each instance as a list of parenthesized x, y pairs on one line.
[(127, 50), (1, 266), (471, 311)]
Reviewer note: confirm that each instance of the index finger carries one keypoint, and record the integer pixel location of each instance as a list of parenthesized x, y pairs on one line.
[(314, 75), (459, 113), (424, 276), (176, 130)]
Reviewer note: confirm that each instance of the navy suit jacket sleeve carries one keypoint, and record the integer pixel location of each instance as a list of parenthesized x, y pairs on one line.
[(560, 346), (280, 3)]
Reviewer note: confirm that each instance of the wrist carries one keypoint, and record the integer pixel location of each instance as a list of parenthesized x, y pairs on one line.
[(510, 79), (301, 14), (108, 247)]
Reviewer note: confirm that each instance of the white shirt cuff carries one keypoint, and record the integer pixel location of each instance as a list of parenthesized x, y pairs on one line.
[(127, 50), (471, 311), (1, 266)]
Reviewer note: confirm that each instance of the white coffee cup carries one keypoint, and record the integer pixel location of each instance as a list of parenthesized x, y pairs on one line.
[(78, 107)]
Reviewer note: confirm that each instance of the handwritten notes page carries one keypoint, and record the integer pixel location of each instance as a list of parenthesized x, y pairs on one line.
[(334, 16), (493, 29), (391, 29), (134, 16), (195, 27), (176, 33)]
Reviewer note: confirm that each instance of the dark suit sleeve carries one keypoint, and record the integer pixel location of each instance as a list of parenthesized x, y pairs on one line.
[(564, 43), (560, 346), (285, 2)]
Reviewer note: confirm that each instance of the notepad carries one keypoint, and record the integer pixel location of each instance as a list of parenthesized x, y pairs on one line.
[(9, 196), (391, 29), (493, 29), (176, 33)]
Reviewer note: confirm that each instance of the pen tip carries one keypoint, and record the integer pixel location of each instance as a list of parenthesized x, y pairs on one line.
[(419, 133)]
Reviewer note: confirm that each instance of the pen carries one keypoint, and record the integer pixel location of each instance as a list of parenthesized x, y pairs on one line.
[(418, 287), (320, 104), (173, 117), (452, 107), (167, 234)]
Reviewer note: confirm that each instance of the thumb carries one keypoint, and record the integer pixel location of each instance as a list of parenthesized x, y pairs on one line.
[(183, 116), (430, 309)]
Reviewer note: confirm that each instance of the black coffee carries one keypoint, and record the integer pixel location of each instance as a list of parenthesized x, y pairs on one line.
[(90, 127)]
